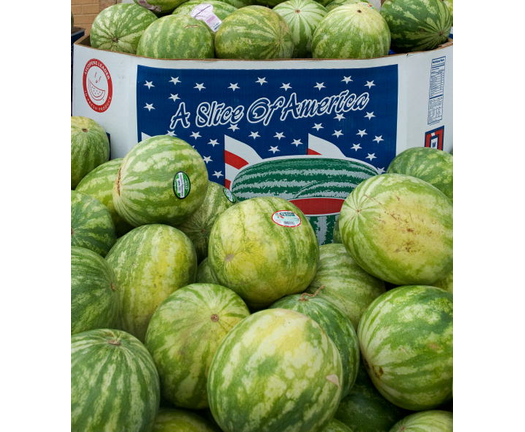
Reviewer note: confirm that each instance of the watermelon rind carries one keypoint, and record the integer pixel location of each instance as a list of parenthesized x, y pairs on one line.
[(205, 273), (337, 426), (220, 8), (447, 283), (427, 421), (336, 3), (180, 420), (159, 7)]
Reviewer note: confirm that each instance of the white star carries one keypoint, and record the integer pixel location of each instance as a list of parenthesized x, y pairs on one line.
[(175, 80), (234, 86), (279, 135), (286, 86), (339, 117), (369, 84), (261, 81), (213, 142), (338, 133), (381, 170), (369, 115), (319, 86), (317, 126), (234, 127), (174, 97), (371, 156), (254, 135), (296, 142), (207, 159), (171, 133), (217, 174), (378, 139), (356, 147), (199, 86), (149, 84), (361, 133), (195, 135), (274, 149), (149, 107), (347, 79)]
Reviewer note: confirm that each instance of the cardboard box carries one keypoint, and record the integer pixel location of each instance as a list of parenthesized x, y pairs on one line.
[(240, 113)]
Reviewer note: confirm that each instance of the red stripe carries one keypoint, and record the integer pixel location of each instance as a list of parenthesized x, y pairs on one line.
[(227, 183), (312, 152), (234, 160), (318, 206)]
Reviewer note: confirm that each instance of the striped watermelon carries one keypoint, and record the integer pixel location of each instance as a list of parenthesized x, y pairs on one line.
[(317, 185), (450, 5), (119, 27), (114, 383), (336, 325), (399, 229), (263, 249), (302, 16), (254, 33), (183, 335), (406, 343), (432, 165), (365, 410), (417, 25), (161, 180), (176, 37), (351, 31), (172, 419), (98, 184), (150, 262), (205, 274), (277, 370), (336, 3), (239, 3), (426, 421), (344, 283), (337, 426), (159, 6), (220, 8), (91, 224), (94, 302), (198, 226), (89, 147), (446, 283)]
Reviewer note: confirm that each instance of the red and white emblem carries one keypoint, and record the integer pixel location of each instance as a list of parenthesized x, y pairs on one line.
[(97, 85)]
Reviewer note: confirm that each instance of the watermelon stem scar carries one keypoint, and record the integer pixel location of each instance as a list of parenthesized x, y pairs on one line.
[(118, 181), (114, 342), (305, 294), (215, 317)]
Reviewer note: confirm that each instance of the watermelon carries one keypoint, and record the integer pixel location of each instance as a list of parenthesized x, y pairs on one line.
[(432, 165), (94, 302), (398, 228), (450, 5), (336, 325), (159, 6), (365, 410), (176, 37), (417, 25), (254, 33), (276, 370), (205, 274), (89, 147), (114, 383), (263, 249), (446, 283), (161, 180), (183, 335), (344, 283), (220, 8), (198, 226), (336, 3), (91, 224), (336, 426), (336, 234), (406, 343), (351, 31), (426, 421), (302, 16), (98, 184), (150, 262), (172, 419), (239, 3), (317, 185), (119, 27)]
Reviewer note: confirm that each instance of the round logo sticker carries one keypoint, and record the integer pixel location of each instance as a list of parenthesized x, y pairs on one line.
[(286, 218), (181, 185), (229, 195), (97, 85)]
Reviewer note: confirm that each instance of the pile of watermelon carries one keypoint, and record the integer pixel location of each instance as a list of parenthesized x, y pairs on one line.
[(272, 29), (195, 310)]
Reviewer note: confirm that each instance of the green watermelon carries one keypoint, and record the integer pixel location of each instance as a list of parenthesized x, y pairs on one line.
[(446, 283), (351, 31), (277, 370), (91, 224), (365, 410), (336, 234), (341, 281), (161, 180), (150, 262), (94, 302), (336, 3), (198, 226), (432, 165), (220, 8), (98, 184), (336, 426), (406, 343), (89, 147), (263, 249), (450, 5), (239, 3), (417, 25), (178, 420), (183, 335), (119, 27), (426, 421), (114, 383), (317, 185), (176, 37), (336, 325), (399, 228), (159, 6), (254, 33), (205, 274), (302, 16)]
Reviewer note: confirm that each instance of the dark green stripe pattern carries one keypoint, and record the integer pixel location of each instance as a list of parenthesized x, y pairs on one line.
[(427, 421)]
